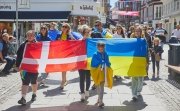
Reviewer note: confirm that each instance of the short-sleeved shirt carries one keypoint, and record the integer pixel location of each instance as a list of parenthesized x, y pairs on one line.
[(160, 33)]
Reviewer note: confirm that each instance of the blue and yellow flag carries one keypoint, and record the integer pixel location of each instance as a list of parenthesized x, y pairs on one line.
[(127, 56)]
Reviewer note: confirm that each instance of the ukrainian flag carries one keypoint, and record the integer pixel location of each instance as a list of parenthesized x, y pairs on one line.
[(128, 56)]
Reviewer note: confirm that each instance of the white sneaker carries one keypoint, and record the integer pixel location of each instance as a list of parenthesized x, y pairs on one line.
[(82, 97), (87, 93), (138, 94)]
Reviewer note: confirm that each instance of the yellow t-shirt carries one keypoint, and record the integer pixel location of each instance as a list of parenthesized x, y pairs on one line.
[(64, 37)]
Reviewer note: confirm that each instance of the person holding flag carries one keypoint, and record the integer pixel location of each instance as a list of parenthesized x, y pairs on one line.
[(84, 74), (27, 77), (101, 72), (137, 82), (65, 34)]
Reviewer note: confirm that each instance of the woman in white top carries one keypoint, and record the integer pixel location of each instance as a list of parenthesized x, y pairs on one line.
[(119, 32)]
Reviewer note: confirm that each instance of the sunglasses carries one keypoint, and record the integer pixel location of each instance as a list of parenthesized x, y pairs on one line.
[(97, 25), (43, 28), (65, 26)]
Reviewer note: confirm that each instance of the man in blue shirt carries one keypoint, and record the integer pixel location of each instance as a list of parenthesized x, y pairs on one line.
[(53, 32)]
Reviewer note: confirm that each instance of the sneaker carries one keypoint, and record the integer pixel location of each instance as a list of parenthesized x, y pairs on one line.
[(33, 97), (93, 87), (153, 76), (101, 105), (157, 76), (61, 87), (22, 101), (42, 84), (82, 97), (87, 93), (65, 83), (97, 103), (138, 94), (134, 98)]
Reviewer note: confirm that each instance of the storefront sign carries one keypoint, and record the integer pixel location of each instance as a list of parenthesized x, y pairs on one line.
[(4, 7), (86, 7)]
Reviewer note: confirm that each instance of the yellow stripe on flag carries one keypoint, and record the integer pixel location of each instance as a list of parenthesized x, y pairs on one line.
[(127, 66)]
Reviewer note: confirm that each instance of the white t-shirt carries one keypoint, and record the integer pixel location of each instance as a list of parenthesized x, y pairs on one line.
[(176, 33)]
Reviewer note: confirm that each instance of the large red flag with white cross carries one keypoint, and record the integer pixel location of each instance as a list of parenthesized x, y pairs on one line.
[(55, 56)]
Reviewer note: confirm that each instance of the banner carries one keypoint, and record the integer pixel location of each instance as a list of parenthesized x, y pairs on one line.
[(127, 56), (129, 13), (55, 56)]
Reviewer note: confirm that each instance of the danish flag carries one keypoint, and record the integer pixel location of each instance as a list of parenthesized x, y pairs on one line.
[(54, 56)]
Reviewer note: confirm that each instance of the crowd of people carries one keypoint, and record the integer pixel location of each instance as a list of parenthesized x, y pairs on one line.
[(155, 39)]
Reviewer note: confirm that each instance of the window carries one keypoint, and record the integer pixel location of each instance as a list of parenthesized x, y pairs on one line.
[(160, 12), (156, 12), (178, 5)]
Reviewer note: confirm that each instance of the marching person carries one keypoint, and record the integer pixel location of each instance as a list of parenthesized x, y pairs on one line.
[(119, 32), (137, 82), (65, 34), (99, 31), (156, 51), (101, 72), (43, 36), (85, 73), (27, 77)]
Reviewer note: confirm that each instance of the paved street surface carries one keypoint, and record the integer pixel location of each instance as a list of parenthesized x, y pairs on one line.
[(157, 95)]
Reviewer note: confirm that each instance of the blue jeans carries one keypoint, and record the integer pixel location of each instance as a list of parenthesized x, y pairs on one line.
[(10, 62)]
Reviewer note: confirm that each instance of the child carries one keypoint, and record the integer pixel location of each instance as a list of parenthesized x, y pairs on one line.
[(156, 51), (27, 77), (100, 72)]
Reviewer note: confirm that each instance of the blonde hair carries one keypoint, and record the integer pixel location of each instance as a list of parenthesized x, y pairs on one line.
[(84, 28), (133, 35), (69, 27), (156, 39), (30, 32)]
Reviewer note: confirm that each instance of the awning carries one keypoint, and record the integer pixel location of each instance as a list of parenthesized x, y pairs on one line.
[(35, 15)]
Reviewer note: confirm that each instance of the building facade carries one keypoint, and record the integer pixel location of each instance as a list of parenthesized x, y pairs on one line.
[(31, 13), (171, 14), (122, 5), (151, 12)]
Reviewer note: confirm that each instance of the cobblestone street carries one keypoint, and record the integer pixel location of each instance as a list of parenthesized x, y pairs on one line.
[(158, 95)]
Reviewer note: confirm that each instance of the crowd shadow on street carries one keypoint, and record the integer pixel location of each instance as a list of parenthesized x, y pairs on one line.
[(83, 106)]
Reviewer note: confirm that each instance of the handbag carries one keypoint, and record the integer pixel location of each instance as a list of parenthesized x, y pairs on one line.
[(157, 57)]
